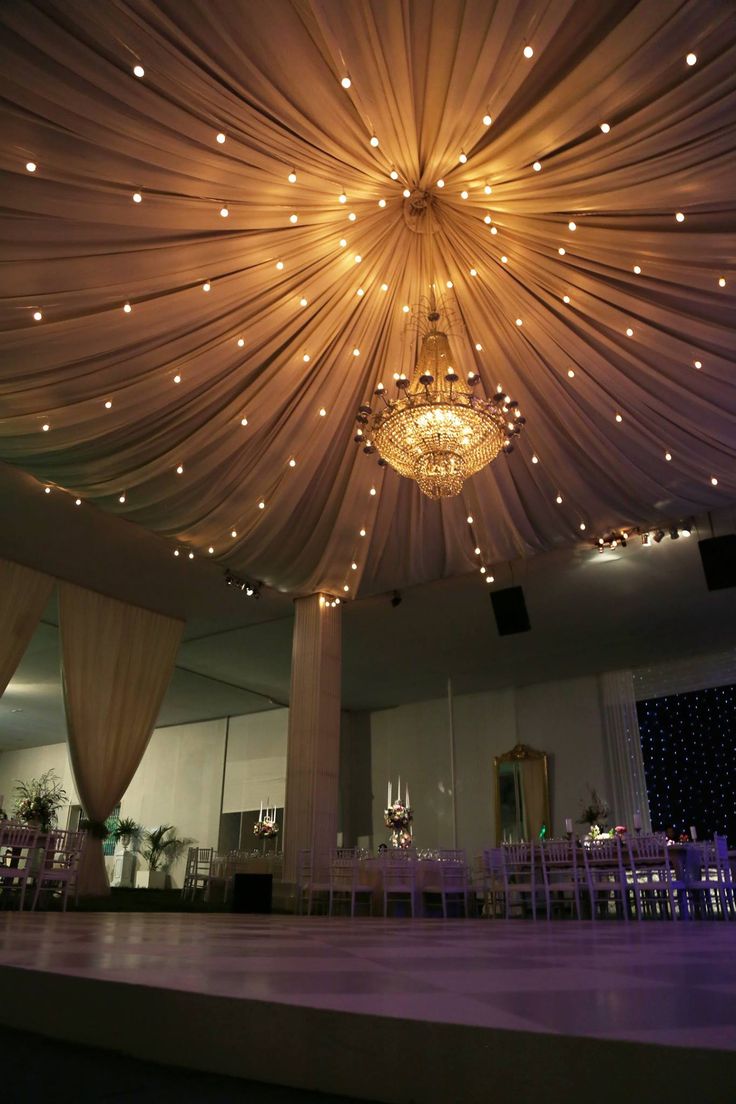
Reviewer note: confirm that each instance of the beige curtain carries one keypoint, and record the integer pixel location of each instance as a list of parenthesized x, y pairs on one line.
[(623, 750), (117, 660), (23, 596)]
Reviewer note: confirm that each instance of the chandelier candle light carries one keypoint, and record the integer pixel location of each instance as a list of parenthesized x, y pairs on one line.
[(438, 430), (266, 826), (398, 816)]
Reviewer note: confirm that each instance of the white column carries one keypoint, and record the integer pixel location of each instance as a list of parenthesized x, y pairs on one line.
[(313, 753)]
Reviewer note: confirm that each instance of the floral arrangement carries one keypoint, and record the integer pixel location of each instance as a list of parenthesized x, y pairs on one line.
[(620, 830), (398, 815), (39, 800), (593, 809), (265, 828)]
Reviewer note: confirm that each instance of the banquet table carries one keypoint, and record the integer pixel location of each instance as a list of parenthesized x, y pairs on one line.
[(427, 877)]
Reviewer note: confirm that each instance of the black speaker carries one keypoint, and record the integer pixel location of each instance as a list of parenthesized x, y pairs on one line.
[(252, 892), (719, 561), (510, 612)]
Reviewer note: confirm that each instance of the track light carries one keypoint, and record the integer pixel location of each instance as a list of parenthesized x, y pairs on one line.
[(674, 533), (658, 535), (251, 590)]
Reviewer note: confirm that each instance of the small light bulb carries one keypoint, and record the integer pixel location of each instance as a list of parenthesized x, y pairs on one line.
[(479, 347), (176, 551), (406, 308), (494, 230), (384, 287), (180, 469), (473, 272), (306, 358), (691, 59), (37, 316), (244, 421), (261, 505), (490, 579), (565, 298), (668, 456), (470, 519), (487, 120), (463, 158), (357, 258), (571, 373), (352, 216), (537, 166), (241, 342), (121, 498), (191, 555), (374, 141), (31, 166), (292, 177), (342, 242), (206, 285), (45, 427), (504, 260), (322, 412), (362, 533), (360, 293), (233, 533), (108, 405), (558, 500), (224, 212), (637, 270), (394, 175), (449, 284), (605, 127), (139, 71), (47, 490), (280, 266), (211, 550), (464, 195), (137, 197), (697, 364), (77, 502), (406, 193), (629, 332), (519, 322), (487, 220), (528, 52), (177, 378), (220, 138), (619, 418), (488, 189), (561, 251), (482, 571), (382, 203), (582, 525), (342, 198), (127, 308), (714, 481), (721, 282), (292, 463), (346, 82), (440, 183), (373, 490), (535, 459), (572, 226), (354, 566), (680, 217)]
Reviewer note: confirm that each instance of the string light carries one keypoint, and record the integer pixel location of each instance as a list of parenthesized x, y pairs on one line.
[(177, 378), (244, 421), (394, 175), (406, 193), (488, 190), (537, 166), (463, 158), (721, 282), (619, 418), (668, 456), (343, 243), (697, 364), (535, 459), (261, 505), (691, 59), (206, 285), (352, 216), (637, 270), (280, 266), (224, 212), (565, 298), (440, 183), (292, 463), (342, 198), (137, 197), (528, 52), (139, 71), (605, 127), (108, 405), (714, 481), (121, 498), (360, 293), (322, 412), (292, 177), (127, 308), (680, 217), (361, 533), (77, 502), (220, 138), (37, 316), (31, 166), (382, 203), (357, 258), (211, 550), (561, 251), (346, 82), (293, 219), (373, 490), (487, 120), (180, 469), (45, 427), (464, 195), (572, 226), (241, 342), (487, 219), (374, 141), (47, 490)]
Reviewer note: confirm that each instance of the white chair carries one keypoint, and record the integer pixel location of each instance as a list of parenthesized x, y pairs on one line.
[(347, 880), (710, 887), (312, 880), (199, 873), (490, 875), (606, 878), (656, 889), (399, 878), (561, 878), (449, 880), (18, 852), (519, 877), (59, 865)]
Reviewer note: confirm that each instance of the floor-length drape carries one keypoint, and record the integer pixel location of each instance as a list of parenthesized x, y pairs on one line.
[(117, 661), (623, 749), (23, 596)]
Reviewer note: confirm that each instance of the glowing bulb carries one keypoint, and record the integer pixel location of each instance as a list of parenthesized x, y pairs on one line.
[(605, 127), (565, 298), (488, 189), (206, 285), (77, 502), (504, 260), (561, 251), (31, 166), (191, 555), (180, 469), (293, 219), (463, 158), (292, 463), (177, 378), (280, 265), (342, 198), (440, 183), (519, 322), (384, 287), (346, 82), (537, 166), (487, 120), (357, 258), (374, 141), (394, 175), (342, 242), (244, 421), (211, 550), (691, 59), (558, 500), (139, 71), (571, 373), (47, 490), (572, 226), (37, 316), (406, 308), (629, 332), (45, 427), (721, 282), (668, 456), (241, 342), (449, 284), (176, 551), (121, 498), (406, 193), (292, 177), (535, 459), (352, 216), (220, 138), (137, 197), (224, 212), (373, 490), (482, 571), (127, 308), (464, 195), (680, 217), (108, 405), (528, 52), (261, 505), (306, 358), (489, 579), (479, 347), (382, 203), (470, 519), (487, 220), (494, 230), (697, 363), (714, 481), (233, 533), (322, 412), (473, 272), (360, 293), (356, 352), (362, 533), (582, 525), (354, 566), (637, 270), (619, 418)]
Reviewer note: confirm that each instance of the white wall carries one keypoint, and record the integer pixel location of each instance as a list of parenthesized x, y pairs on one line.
[(256, 761), (562, 718)]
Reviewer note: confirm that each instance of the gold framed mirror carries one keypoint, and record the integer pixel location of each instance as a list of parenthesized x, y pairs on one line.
[(522, 794)]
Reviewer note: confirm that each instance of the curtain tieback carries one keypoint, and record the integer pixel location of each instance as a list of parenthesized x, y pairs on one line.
[(98, 829)]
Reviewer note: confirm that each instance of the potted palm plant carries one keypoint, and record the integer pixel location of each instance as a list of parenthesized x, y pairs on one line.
[(159, 848), (127, 833)]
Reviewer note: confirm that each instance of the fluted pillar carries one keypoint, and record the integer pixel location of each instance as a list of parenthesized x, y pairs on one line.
[(313, 754)]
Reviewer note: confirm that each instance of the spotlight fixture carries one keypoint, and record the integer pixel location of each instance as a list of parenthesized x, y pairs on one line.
[(658, 535), (251, 590), (674, 533), (645, 540), (396, 599)]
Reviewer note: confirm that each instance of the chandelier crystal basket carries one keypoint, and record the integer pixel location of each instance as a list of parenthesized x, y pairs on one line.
[(438, 430)]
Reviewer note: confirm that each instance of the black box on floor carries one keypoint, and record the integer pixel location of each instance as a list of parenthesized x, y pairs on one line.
[(252, 892)]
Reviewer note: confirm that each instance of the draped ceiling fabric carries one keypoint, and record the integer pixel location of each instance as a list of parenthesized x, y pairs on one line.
[(23, 597), (423, 76)]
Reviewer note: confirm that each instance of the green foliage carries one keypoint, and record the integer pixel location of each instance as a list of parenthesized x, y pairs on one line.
[(40, 799), (160, 846), (127, 831)]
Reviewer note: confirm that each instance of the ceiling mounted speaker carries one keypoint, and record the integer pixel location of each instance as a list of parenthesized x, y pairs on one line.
[(510, 611), (719, 561)]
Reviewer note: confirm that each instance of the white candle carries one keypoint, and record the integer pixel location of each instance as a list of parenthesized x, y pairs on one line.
[(568, 824), (407, 795), (260, 813), (398, 789), (693, 832), (389, 796), (637, 821)]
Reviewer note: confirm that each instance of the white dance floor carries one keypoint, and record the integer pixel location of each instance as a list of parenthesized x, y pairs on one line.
[(389, 1010)]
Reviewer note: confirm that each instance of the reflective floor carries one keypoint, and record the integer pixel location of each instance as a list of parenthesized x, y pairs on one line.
[(658, 982)]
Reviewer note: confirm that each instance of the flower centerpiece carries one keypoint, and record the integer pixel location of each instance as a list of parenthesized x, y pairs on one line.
[(594, 811), (39, 800), (266, 827), (398, 816)]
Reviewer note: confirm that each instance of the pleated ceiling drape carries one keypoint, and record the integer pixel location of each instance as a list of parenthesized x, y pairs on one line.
[(117, 661), (23, 596)]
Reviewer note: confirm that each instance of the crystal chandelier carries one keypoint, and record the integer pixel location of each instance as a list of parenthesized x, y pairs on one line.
[(437, 430)]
